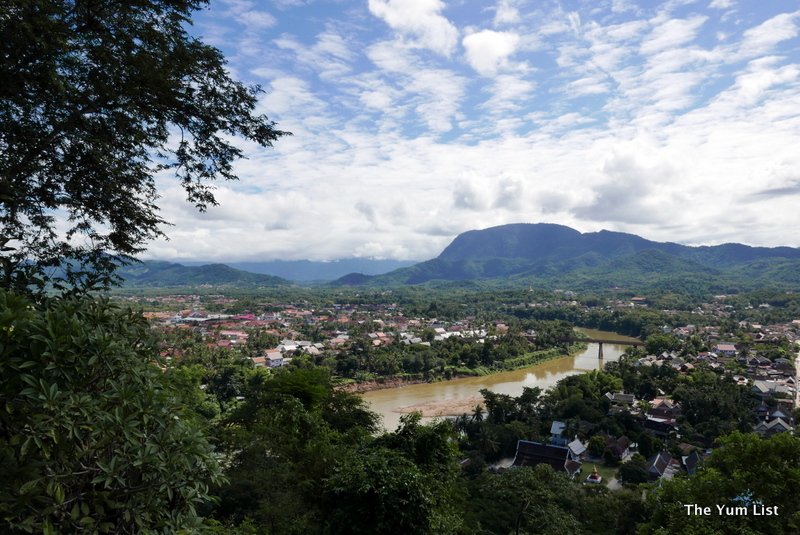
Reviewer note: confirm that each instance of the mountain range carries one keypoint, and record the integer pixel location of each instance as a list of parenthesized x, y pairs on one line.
[(157, 274), (542, 255), (550, 255), (309, 270)]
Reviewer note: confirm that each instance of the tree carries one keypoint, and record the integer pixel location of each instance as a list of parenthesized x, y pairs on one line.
[(745, 471), (402, 482), (634, 471), (658, 343), (91, 439), (97, 98), (597, 445), (524, 500)]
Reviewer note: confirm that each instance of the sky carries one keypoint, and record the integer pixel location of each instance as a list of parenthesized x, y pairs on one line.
[(416, 120)]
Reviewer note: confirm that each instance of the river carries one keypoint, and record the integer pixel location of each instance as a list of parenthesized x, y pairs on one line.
[(461, 395)]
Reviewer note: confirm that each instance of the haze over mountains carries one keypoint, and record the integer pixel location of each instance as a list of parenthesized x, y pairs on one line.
[(544, 255), (308, 270)]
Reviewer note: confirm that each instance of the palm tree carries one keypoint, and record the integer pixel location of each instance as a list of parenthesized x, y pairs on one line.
[(477, 414), (487, 441), (460, 423)]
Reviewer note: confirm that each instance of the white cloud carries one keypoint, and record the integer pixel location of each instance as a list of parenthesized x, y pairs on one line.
[(419, 19), (506, 13), (391, 56), (468, 195), (510, 194), (257, 19), (590, 85), (672, 33), (574, 19), (721, 4), (439, 94), (621, 6), (488, 50), (762, 39), (330, 56), (677, 135), (290, 95), (761, 75), (509, 92)]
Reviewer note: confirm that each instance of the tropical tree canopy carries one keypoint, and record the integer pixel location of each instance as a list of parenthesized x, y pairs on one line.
[(97, 98)]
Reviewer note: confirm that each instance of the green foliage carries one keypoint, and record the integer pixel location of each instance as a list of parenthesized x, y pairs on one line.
[(91, 97), (536, 500), (713, 406), (283, 440), (658, 343), (746, 471), (403, 482), (380, 491), (633, 471), (444, 358), (302, 459), (92, 440), (580, 397)]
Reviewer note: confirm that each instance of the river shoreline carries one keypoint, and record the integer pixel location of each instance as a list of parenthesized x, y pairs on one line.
[(447, 398), (396, 382)]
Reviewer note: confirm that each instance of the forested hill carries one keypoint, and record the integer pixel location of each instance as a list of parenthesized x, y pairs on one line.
[(555, 255), (157, 274)]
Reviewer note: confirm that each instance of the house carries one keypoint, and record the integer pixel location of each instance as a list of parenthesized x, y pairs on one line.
[(659, 428), (287, 345), (274, 358), (725, 349), (769, 388), (778, 413), (773, 427), (619, 447), (577, 448), (664, 408), (692, 462), (762, 411), (757, 361), (658, 464), (621, 398), (558, 457), (556, 433)]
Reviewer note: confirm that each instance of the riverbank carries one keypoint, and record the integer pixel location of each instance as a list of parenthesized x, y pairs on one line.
[(459, 406), (526, 361), (451, 398)]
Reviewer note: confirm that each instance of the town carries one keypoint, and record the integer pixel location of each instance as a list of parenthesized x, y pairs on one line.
[(648, 425)]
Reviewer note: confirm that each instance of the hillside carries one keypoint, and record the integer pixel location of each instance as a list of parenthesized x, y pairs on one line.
[(554, 255), (308, 270), (155, 274)]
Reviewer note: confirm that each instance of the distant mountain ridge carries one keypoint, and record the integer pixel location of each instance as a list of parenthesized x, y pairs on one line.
[(156, 274), (310, 270), (556, 255)]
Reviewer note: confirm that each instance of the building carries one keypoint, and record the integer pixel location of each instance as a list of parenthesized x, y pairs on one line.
[(560, 458)]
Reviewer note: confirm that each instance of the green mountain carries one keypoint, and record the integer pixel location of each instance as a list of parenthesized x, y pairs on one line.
[(557, 256), (157, 274), (309, 270)]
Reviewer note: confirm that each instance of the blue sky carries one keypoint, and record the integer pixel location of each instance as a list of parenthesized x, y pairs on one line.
[(415, 120)]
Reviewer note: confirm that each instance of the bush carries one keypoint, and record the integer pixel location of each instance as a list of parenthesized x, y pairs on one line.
[(91, 439)]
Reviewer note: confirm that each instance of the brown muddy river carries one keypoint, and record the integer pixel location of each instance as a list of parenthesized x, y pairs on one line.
[(461, 395)]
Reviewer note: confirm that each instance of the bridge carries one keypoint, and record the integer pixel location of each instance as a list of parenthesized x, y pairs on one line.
[(601, 341)]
